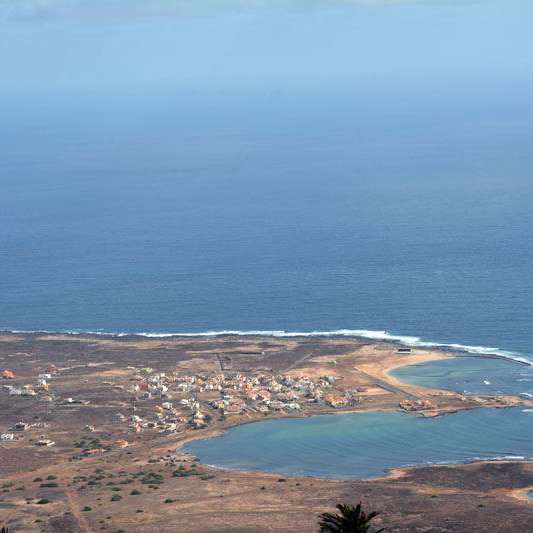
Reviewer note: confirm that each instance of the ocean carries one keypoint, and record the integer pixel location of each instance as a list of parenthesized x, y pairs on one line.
[(156, 178)]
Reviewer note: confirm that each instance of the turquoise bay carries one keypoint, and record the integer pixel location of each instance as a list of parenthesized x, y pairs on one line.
[(366, 445), (471, 375)]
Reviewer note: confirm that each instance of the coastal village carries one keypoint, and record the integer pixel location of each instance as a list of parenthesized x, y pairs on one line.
[(171, 403), (70, 405), (174, 402)]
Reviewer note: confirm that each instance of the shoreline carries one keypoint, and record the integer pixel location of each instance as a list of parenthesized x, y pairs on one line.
[(362, 334), (390, 473), (102, 373), (383, 371), (375, 370)]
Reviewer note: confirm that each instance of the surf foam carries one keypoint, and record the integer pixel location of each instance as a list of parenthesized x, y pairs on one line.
[(406, 340)]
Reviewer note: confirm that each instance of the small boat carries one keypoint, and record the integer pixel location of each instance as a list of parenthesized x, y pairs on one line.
[(486, 382)]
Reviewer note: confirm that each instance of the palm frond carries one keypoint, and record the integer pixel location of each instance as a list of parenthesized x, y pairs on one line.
[(349, 519)]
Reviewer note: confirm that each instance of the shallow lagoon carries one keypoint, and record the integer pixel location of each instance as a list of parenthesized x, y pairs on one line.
[(366, 445), (471, 375)]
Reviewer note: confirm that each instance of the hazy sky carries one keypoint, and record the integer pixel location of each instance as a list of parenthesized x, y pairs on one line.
[(82, 48)]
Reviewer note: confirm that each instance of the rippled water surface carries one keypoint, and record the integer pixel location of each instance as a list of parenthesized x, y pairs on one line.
[(165, 170), (366, 445), (471, 375)]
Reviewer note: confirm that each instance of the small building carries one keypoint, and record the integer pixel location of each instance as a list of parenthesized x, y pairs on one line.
[(404, 350), (45, 442), (7, 437), (8, 374), (264, 395), (334, 400), (233, 409), (276, 405), (293, 406)]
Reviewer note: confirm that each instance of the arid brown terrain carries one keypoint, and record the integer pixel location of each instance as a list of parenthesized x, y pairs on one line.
[(92, 427)]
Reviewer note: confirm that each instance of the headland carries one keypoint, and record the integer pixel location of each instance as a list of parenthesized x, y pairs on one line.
[(92, 428)]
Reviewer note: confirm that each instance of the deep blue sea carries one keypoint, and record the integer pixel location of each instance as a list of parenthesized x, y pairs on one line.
[(188, 173)]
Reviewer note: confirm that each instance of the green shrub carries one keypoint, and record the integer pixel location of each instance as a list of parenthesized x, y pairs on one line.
[(182, 473)]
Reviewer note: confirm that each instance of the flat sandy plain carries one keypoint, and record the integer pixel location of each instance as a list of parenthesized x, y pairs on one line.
[(82, 493)]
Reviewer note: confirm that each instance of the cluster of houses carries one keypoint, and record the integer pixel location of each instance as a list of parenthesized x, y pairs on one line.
[(173, 402), (19, 428), (41, 386), (265, 393), (150, 385), (196, 396), (29, 390)]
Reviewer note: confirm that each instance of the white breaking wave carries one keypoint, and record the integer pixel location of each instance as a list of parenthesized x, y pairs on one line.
[(503, 458), (406, 340)]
